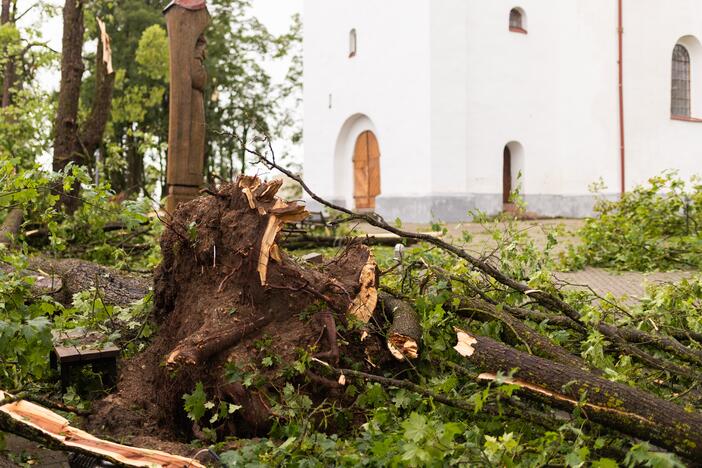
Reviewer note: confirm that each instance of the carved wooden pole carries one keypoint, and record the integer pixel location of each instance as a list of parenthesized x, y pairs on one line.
[(186, 21)]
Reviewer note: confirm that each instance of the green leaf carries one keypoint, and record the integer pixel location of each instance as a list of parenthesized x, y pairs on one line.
[(195, 403), (415, 427)]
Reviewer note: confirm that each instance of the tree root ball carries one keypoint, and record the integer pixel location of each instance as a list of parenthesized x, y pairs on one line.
[(237, 313)]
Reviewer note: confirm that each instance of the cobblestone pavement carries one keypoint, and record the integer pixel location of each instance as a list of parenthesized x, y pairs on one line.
[(626, 284)]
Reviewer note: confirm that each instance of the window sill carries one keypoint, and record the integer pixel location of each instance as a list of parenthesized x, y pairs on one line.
[(685, 118), (517, 30)]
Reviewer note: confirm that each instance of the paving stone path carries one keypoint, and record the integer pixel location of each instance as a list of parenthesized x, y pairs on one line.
[(626, 284)]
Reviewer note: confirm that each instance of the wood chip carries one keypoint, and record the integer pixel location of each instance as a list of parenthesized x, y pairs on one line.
[(465, 343)]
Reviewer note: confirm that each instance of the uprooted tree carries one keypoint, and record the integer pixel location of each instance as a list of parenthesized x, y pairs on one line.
[(230, 302)]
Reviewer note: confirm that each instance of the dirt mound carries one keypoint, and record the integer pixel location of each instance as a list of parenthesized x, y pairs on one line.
[(236, 313)]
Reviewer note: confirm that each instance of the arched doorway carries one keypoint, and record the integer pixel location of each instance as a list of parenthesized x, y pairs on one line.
[(506, 176), (512, 173), (366, 170)]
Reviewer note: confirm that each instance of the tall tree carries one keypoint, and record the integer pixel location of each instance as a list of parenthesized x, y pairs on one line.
[(245, 101), (73, 143)]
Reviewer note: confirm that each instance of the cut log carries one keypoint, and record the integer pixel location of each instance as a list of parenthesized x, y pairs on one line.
[(37, 423), (629, 410), (405, 332)]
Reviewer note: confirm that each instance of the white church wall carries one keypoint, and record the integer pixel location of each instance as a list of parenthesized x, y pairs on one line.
[(655, 141), (445, 86), (387, 81), (552, 90)]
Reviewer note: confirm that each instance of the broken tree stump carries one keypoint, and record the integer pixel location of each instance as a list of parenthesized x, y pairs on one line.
[(228, 297)]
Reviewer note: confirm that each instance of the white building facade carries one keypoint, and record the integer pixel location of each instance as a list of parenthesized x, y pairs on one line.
[(425, 110)]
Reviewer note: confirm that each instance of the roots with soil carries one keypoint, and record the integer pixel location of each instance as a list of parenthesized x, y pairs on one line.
[(227, 298)]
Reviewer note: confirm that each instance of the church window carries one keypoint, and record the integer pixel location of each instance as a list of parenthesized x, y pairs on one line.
[(516, 21), (680, 88), (352, 43)]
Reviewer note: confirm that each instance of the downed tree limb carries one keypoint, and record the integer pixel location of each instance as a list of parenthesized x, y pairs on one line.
[(36, 423), (405, 332), (629, 410), (517, 408)]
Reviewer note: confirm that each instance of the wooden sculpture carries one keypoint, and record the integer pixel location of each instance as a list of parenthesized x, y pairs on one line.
[(186, 21)]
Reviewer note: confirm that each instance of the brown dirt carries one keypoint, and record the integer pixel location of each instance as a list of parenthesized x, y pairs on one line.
[(209, 297)]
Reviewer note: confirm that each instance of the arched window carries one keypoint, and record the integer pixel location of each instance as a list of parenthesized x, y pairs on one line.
[(352, 43), (516, 21), (680, 88)]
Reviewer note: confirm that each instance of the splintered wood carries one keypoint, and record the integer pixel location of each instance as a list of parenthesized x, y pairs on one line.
[(281, 213), (106, 47), (365, 301), (465, 343), (58, 429)]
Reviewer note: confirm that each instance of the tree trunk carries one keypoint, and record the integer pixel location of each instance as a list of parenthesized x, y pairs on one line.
[(9, 74), (69, 276), (71, 143), (612, 404), (520, 334), (36, 423), (225, 291), (11, 226), (66, 144)]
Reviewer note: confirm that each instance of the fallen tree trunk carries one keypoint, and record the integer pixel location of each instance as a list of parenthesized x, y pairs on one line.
[(535, 342), (62, 278), (612, 404)]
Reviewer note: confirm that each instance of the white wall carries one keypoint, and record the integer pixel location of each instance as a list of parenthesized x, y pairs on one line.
[(655, 142), (387, 81), (553, 90), (445, 86)]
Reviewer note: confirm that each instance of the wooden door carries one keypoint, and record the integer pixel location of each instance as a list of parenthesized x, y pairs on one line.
[(506, 175), (366, 170)]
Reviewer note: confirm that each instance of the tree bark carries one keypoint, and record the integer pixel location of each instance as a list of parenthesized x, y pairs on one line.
[(71, 143), (629, 410), (519, 333), (62, 278), (11, 226), (10, 73), (405, 332), (66, 143)]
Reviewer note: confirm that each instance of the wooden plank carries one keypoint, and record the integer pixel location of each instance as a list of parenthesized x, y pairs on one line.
[(373, 168), (360, 171), (67, 354)]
